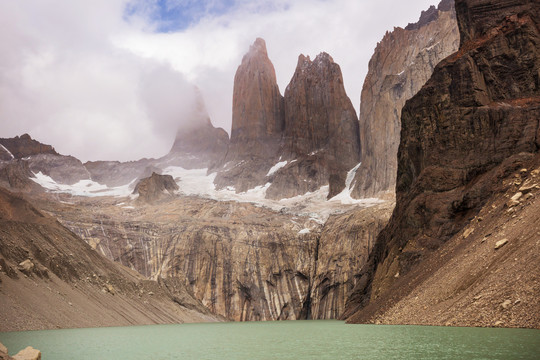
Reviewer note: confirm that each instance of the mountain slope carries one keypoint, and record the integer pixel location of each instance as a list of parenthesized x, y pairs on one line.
[(464, 135), (51, 278)]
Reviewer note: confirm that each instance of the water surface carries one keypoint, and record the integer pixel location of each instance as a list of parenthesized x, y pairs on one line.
[(279, 340)]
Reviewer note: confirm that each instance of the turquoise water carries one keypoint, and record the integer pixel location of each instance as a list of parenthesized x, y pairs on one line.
[(279, 340)]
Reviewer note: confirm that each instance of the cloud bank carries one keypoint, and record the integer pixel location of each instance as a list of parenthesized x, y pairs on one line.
[(112, 79)]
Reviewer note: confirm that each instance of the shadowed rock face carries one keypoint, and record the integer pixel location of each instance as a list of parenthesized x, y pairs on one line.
[(320, 127), (471, 125), (402, 63)]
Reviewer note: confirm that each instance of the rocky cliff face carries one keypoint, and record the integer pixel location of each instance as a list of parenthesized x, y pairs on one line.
[(257, 123), (198, 143), (402, 63), (50, 278), (321, 131), (473, 124), (312, 131), (23, 146), (242, 261)]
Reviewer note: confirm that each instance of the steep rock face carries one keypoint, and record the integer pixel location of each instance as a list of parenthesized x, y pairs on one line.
[(242, 261), (402, 63), (155, 188), (62, 169), (344, 246), (320, 125), (257, 122), (24, 146), (39, 158), (16, 175), (198, 143), (467, 130), (50, 278)]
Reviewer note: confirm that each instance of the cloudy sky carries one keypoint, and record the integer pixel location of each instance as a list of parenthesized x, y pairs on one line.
[(111, 79)]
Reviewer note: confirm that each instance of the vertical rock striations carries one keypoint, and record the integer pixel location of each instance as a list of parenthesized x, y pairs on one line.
[(403, 61), (312, 131), (257, 122), (321, 131), (463, 132)]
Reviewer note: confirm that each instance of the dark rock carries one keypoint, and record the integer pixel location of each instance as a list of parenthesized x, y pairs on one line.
[(155, 187), (24, 146), (475, 120)]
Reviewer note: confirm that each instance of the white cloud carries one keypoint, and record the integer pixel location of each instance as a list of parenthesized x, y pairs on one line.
[(78, 76)]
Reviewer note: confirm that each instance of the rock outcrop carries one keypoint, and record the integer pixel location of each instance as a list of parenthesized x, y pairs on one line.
[(257, 122), (155, 188), (321, 139), (472, 126), (24, 146), (402, 63), (51, 278)]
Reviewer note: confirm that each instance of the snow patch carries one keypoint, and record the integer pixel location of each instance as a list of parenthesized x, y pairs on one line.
[(304, 231), (82, 188), (276, 167)]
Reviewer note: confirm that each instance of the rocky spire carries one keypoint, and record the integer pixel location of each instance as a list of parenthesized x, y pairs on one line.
[(257, 122), (198, 138), (321, 130), (257, 115)]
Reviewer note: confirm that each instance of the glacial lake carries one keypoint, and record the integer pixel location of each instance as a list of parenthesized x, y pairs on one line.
[(278, 340)]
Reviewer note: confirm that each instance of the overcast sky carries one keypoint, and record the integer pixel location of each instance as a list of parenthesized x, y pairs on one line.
[(111, 79)]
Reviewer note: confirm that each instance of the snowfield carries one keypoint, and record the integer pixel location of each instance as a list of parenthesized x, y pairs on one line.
[(196, 182)]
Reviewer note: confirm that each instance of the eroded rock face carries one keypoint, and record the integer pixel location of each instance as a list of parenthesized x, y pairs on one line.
[(242, 261), (155, 188), (473, 123), (321, 130), (24, 146), (257, 122), (402, 63)]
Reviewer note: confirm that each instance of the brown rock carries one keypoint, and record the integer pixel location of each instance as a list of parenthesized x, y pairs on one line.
[(155, 188), (24, 146), (476, 120), (402, 63), (257, 122), (321, 130)]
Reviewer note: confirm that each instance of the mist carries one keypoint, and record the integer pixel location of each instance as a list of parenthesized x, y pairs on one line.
[(100, 84)]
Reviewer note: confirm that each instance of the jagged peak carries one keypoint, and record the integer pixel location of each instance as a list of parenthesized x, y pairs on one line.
[(258, 48), (322, 58)]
